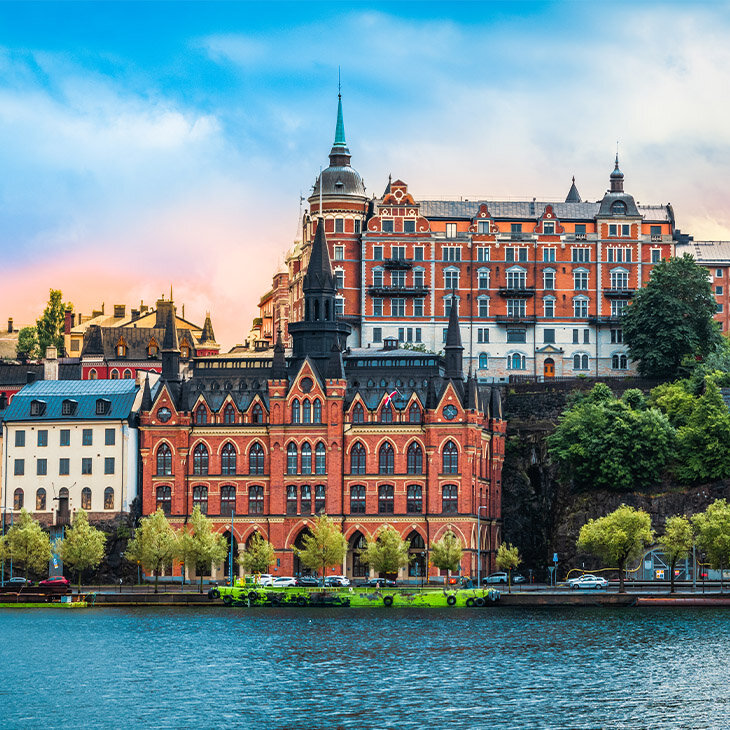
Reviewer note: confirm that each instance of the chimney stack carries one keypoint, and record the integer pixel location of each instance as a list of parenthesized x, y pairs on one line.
[(50, 364), (68, 321), (10, 324)]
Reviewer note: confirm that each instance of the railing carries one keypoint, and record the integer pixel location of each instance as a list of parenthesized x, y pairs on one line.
[(657, 239), (515, 318), (619, 293), (518, 293), (392, 291)]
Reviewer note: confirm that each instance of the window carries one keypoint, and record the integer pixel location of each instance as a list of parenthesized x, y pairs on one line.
[(63, 467), (357, 499), (377, 253), (93, 374), (482, 253), (718, 273), (580, 308), (65, 437), (619, 362), (18, 499), (398, 252), (41, 467), (450, 458), (512, 254), (548, 306), (484, 307), (257, 414), (87, 437), (580, 230), (201, 415), (164, 499), (451, 279), (483, 227), (320, 459), (388, 226), (719, 308), (306, 459), (580, 280), (102, 406), (295, 413), (617, 336), (619, 279), (656, 255), (19, 467), (618, 255), (339, 225), (409, 226), (447, 307), (43, 437), (339, 279), (86, 465), (40, 500), (108, 498), (418, 278), (398, 307), (516, 230), (377, 277), (339, 306), (358, 224), (291, 459), (386, 414), (451, 253), (68, 407), (256, 460), (306, 412), (115, 374), (580, 362), (415, 459), (483, 361), (291, 500), (576, 337), (586, 336), (451, 230), (483, 278), (86, 498), (108, 465), (718, 290), (414, 413), (306, 504), (516, 335), (548, 279), (418, 307), (20, 438), (548, 253), (516, 308), (319, 499), (200, 499), (548, 228), (418, 253), (516, 361), (200, 460), (618, 306), (228, 459), (358, 414), (229, 414), (548, 336), (414, 498), (516, 279), (339, 253), (482, 334), (385, 499), (377, 309), (37, 407), (450, 499), (256, 500), (386, 459), (164, 461), (581, 255)]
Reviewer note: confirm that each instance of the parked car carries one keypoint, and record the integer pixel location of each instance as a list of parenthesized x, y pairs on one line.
[(265, 579), (307, 581), (17, 582), (499, 577), (55, 584), (381, 583), (570, 581), (517, 578), (284, 581), (337, 580), (589, 581)]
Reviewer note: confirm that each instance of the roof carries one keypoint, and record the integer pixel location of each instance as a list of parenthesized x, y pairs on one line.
[(120, 394), (103, 341), (706, 252)]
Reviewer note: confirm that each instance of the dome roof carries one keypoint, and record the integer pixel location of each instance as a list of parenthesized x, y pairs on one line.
[(340, 180)]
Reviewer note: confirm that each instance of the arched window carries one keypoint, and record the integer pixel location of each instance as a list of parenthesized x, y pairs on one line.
[(18, 499), (291, 459), (414, 498), (164, 461), (358, 415), (256, 500), (152, 349), (449, 499), (386, 459), (357, 459), (414, 413), (515, 361), (40, 500), (127, 374), (164, 499), (417, 552), (200, 499), (200, 460), (357, 545), (619, 362), (228, 500), (450, 458), (114, 374), (306, 412), (201, 415), (256, 459), (306, 459), (229, 414), (320, 459), (483, 361), (257, 414), (580, 362), (228, 459), (357, 499), (618, 208), (295, 418), (386, 414), (86, 498), (385, 499), (306, 505), (415, 459), (317, 411), (108, 498), (319, 499), (291, 500), (93, 374)]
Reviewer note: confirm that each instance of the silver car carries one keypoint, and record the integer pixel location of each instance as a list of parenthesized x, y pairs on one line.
[(589, 581)]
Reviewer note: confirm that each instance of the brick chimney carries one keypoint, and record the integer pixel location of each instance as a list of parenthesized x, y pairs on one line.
[(68, 321), (10, 324)]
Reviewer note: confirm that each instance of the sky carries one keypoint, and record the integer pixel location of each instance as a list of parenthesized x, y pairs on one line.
[(149, 145)]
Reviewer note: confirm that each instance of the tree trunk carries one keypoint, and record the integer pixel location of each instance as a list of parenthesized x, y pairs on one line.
[(621, 588), (672, 563), (157, 573), (201, 583)]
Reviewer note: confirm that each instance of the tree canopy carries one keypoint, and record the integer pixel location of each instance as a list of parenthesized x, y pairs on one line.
[(258, 556), (713, 533), (676, 542), (27, 545), (82, 547), (27, 346), (387, 553), (324, 546), (446, 552), (154, 544), (50, 324), (671, 318), (199, 546), (508, 558)]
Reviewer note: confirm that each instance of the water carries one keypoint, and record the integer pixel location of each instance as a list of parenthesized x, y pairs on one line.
[(370, 668)]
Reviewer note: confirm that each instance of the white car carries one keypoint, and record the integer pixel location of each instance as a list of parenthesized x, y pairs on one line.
[(284, 582), (340, 580), (588, 581), (265, 579)]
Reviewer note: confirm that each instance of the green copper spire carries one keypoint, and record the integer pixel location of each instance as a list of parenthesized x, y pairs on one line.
[(340, 129)]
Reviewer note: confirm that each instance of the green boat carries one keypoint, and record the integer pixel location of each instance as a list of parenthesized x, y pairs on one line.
[(250, 595)]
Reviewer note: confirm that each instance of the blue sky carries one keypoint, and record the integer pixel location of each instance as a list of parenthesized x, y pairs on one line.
[(149, 144)]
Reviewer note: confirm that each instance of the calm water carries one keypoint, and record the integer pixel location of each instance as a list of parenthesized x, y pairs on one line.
[(502, 668)]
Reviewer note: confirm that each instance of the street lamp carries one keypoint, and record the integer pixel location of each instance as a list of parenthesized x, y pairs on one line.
[(479, 543)]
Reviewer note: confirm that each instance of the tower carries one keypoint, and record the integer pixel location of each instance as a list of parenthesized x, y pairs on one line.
[(454, 350)]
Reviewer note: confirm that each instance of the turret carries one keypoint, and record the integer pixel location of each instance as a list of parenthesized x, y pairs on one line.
[(454, 350), (170, 350)]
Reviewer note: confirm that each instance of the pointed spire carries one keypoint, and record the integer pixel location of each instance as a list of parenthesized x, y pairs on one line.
[(387, 187), (340, 128), (471, 392), (170, 343), (207, 334), (454, 349), (319, 270), (278, 366), (146, 395), (573, 195), (617, 178)]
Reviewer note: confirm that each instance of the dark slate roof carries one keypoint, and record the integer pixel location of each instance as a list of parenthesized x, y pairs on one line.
[(610, 198), (120, 394), (339, 180), (573, 195), (207, 333), (102, 341), (17, 373), (319, 270)]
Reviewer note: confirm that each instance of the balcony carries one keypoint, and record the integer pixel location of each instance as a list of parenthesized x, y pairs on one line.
[(397, 264), (515, 318), (519, 293), (656, 238), (619, 293), (609, 320), (398, 291)]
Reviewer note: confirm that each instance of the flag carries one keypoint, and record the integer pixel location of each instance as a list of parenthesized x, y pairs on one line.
[(391, 396)]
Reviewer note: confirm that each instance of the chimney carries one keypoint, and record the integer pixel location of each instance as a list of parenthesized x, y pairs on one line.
[(10, 324), (50, 364), (30, 377), (68, 321), (3, 401), (135, 314), (120, 311)]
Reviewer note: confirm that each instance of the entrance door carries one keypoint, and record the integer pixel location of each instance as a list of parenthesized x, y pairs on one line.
[(548, 369), (63, 516)]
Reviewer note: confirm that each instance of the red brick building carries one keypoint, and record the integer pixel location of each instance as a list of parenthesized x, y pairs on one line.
[(264, 441)]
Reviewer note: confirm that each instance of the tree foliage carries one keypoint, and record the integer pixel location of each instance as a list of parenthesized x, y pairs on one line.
[(508, 558), (50, 324), (154, 544), (604, 443), (82, 547), (387, 553), (676, 542), (27, 346), (713, 533), (671, 318), (27, 545), (618, 537), (446, 552), (325, 545), (258, 556), (199, 546)]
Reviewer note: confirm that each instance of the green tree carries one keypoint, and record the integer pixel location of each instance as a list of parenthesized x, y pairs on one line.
[(27, 345), (198, 545), (617, 538), (154, 544), (325, 545), (674, 400), (258, 556), (82, 546), (676, 542), (51, 323), (27, 545), (703, 444), (713, 533), (446, 552), (508, 558), (387, 553), (671, 318)]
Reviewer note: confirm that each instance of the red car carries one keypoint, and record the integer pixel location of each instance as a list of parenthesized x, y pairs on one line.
[(55, 584)]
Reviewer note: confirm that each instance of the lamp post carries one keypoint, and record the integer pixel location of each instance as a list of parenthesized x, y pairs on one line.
[(479, 542)]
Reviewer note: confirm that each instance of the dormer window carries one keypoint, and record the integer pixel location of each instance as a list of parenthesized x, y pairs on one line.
[(121, 348), (68, 407), (37, 407), (184, 351), (152, 349), (102, 406), (618, 208)]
